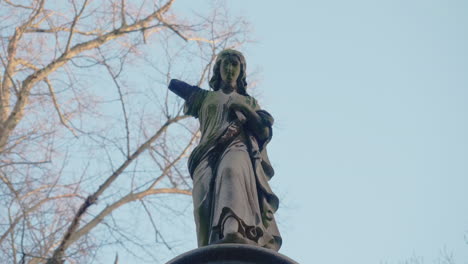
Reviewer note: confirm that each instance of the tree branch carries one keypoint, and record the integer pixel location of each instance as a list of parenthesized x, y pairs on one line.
[(65, 242), (23, 96), (29, 210), (63, 120), (11, 64), (72, 27), (122, 201)]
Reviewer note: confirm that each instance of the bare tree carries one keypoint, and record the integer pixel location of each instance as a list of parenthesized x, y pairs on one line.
[(87, 125), (445, 257)]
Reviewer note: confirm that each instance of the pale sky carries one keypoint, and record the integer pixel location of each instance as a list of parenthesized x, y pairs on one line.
[(371, 137), (370, 143)]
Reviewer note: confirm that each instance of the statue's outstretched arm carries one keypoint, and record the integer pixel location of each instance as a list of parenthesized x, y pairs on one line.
[(182, 89)]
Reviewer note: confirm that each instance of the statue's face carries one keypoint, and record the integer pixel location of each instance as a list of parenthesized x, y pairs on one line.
[(230, 69)]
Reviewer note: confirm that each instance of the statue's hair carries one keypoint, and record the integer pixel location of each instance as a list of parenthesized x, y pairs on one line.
[(215, 82)]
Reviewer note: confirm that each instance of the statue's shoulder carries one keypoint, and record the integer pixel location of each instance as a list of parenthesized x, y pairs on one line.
[(207, 93), (203, 93)]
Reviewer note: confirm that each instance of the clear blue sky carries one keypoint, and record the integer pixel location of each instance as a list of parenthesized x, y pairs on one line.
[(371, 140), (371, 135)]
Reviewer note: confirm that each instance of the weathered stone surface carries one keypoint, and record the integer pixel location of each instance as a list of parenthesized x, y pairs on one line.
[(230, 168), (232, 254)]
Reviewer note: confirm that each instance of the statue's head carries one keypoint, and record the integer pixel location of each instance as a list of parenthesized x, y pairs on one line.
[(232, 57)]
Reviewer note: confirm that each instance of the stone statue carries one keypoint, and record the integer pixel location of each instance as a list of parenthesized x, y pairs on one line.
[(233, 202)]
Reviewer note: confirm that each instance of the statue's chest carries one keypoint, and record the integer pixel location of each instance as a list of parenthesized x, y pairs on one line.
[(216, 106)]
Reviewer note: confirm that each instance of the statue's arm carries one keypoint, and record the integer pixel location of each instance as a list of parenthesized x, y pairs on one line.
[(182, 89), (257, 122)]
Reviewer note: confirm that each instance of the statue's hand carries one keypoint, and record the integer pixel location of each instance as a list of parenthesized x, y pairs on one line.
[(254, 122), (239, 103), (241, 117)]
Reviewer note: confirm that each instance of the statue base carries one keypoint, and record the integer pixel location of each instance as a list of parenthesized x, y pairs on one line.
[(231, 254)]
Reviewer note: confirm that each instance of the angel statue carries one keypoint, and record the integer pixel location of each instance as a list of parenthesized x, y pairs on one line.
[(233, 202)]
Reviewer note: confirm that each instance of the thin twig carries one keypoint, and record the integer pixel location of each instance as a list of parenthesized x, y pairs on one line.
[(63, 119)]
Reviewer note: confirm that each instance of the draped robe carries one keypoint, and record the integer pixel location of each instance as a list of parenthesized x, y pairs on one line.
[(230, 171)]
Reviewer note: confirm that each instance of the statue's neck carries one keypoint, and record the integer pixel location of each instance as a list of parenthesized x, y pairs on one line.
[(228, 88)]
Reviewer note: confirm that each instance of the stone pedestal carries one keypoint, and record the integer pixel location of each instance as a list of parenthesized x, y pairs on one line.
[(231, 254)]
